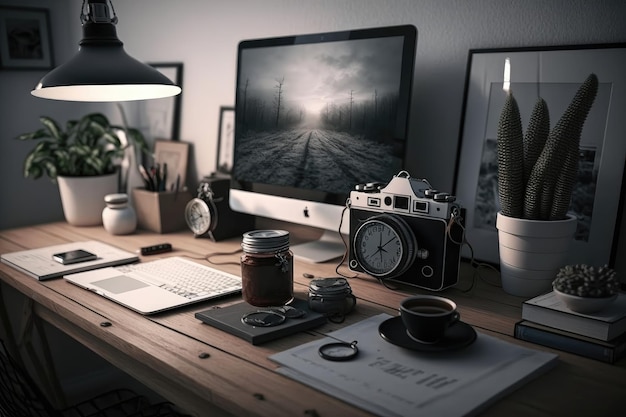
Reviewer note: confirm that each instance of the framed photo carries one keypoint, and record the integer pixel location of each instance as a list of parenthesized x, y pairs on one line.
[(25, 40), (175, 156), (226, 140), (160, 118), (555, 74)]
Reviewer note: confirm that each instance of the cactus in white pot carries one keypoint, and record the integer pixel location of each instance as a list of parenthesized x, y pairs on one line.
[(536, 176), (537, 171)]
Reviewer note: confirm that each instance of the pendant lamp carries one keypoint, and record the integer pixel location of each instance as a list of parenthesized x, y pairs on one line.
[(102, 71)]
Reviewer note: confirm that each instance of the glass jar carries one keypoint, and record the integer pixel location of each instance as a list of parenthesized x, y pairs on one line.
[(267, 268), (118, 218)]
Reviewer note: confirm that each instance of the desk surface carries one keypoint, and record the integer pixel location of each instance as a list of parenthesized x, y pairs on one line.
[(168, 352)]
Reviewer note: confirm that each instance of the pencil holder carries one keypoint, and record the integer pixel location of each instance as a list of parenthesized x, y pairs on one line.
[(161, 212)]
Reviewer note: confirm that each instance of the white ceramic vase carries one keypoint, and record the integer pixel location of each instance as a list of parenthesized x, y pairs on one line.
[(83, 197), (532, 252)]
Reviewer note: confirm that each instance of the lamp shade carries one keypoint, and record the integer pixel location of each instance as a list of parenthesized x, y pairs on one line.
[(102, 71)]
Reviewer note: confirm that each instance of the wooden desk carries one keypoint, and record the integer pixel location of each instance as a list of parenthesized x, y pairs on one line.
[(168, 352)]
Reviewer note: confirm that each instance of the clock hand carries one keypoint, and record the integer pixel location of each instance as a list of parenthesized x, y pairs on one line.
[(388, 242), (371, 255)]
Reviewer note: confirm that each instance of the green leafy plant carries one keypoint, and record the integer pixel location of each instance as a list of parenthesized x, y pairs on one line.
[(87, 147), (537, 172)]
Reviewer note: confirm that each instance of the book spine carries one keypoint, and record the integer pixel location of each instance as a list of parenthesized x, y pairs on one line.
[(568, 344), (568, 322)]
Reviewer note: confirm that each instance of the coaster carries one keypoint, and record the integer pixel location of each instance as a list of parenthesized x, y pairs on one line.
[(458, 336), (229, 320)]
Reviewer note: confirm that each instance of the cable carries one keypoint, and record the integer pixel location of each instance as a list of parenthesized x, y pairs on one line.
[(208, 257), (345, 244)]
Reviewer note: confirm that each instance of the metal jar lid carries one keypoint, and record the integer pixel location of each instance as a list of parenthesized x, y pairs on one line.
[(264, 241)]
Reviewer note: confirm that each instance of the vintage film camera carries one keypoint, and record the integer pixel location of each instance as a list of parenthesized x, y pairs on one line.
[(406, 232)]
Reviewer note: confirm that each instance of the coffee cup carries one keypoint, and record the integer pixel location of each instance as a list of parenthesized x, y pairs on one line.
[(427, 317)]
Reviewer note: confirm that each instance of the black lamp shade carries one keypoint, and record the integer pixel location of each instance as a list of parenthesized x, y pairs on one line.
[(102, 71)]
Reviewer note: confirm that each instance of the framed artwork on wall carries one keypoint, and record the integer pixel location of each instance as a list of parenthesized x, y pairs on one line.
[(226, 140), (160, 118), (555, 74), (25, 38), (171, 157)]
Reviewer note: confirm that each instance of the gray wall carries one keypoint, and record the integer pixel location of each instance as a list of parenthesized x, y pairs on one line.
[(204, 35)]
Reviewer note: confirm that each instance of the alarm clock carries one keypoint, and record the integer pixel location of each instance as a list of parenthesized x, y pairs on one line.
[(209, 215)]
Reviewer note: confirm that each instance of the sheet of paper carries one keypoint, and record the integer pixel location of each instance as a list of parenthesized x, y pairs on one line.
[(392, 381)]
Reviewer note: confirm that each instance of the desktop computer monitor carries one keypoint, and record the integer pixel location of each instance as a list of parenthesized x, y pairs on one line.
[(315, 115)]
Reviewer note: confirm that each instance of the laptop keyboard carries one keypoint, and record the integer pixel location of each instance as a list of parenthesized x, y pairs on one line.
[(186, 278)]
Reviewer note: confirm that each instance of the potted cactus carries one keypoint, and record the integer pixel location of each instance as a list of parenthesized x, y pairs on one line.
[(537, 172), (586, 289)]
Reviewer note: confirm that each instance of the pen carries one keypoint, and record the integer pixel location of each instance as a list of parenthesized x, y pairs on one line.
[(176, 186), (156, 175), (146, 178), (164, 177)]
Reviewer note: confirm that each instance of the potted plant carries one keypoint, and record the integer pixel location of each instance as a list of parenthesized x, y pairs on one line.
[(536, 176), (83, 159)]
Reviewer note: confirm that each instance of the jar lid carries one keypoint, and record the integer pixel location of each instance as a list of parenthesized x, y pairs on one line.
[(119, 198), (329, 286), (260, 241)]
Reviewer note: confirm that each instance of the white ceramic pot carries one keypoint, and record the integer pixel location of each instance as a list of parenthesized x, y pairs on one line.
[(532, 252), (83, 198)]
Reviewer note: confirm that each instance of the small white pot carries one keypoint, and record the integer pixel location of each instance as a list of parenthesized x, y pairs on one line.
[(83, 198), (532, 252)]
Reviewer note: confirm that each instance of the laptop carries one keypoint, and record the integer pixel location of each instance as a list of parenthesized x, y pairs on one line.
[(159, 285)]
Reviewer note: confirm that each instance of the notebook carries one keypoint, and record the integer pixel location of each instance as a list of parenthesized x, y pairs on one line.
[(38, 263), (159, 285)]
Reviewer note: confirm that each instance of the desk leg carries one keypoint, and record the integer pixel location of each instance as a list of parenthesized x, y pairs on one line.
[(7, 334), (46, 371)]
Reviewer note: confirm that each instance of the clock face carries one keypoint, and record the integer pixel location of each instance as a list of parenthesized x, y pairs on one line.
[(198, 216), (378, 247)]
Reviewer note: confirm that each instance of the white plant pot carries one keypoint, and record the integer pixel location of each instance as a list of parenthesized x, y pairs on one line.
[(83, 198), (532, 252)]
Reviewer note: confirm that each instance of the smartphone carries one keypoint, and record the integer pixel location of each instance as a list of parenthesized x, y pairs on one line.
[(74, 256)]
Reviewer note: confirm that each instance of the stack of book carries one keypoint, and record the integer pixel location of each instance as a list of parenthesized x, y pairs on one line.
[(548, 322)]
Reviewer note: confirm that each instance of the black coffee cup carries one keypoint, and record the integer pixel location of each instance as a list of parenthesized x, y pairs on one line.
[(427, 317)]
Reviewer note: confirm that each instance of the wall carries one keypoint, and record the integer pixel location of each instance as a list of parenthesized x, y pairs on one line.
[(204, 35), (24, 201)]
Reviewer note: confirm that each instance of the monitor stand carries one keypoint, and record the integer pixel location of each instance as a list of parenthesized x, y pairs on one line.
[(329, 246)]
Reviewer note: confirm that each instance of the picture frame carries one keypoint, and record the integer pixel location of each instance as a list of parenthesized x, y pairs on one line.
[(161, 118), (25, 38), (554, 73), (226, 140), (175, 154)]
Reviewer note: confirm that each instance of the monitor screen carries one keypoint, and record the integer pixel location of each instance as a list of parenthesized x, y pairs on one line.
[(316, 115)]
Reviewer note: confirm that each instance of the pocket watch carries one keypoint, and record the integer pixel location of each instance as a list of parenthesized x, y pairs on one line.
[(385, 246), (201, 212)]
